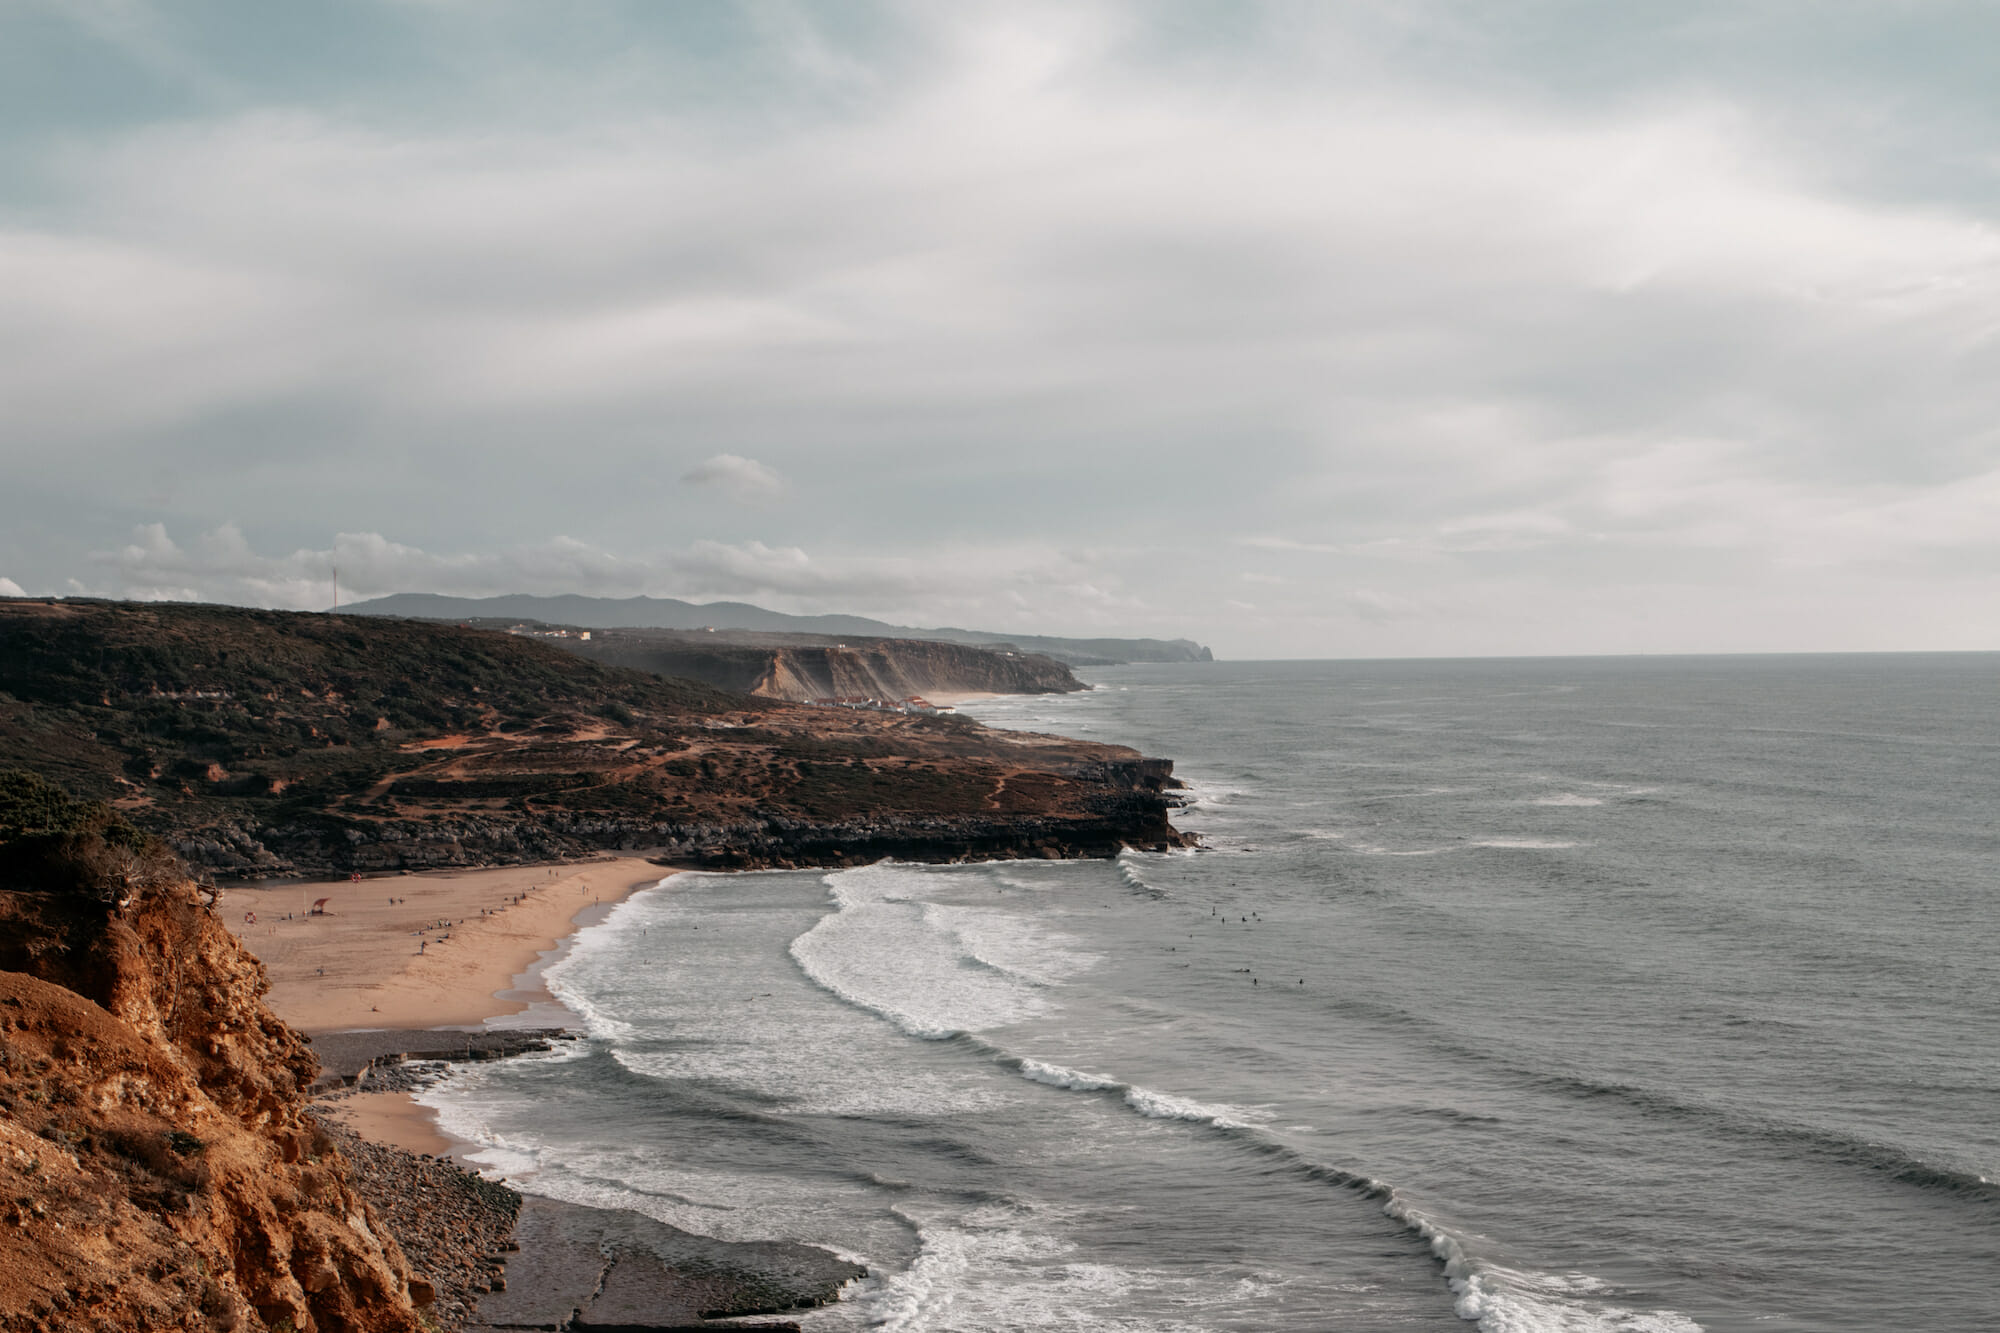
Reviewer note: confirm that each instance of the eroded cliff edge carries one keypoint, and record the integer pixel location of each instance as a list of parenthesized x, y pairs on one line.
[(805, 668), (158, 1166)]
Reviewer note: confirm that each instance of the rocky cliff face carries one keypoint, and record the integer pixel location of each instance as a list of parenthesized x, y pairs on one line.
[(804, 668), (158, 1168)]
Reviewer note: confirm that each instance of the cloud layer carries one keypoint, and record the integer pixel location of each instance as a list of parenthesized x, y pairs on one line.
[(1060, 311)]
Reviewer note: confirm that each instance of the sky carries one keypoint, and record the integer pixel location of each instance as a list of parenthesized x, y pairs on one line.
[(1382, 328)]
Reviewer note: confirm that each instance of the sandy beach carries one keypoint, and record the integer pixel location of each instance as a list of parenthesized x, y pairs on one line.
[(953, 698), (418, 951)]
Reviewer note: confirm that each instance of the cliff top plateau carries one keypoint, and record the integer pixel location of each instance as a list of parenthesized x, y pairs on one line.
[(267, 743)]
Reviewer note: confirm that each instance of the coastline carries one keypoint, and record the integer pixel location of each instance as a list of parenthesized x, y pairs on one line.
[(484, 1255), (379, 959), (425, 950)]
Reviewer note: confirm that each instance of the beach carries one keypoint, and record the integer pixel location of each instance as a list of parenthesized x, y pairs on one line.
[(419, 951)]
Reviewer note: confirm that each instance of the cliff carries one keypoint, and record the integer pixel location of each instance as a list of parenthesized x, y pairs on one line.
[(266, 743), (804, 668), (158, 1166)]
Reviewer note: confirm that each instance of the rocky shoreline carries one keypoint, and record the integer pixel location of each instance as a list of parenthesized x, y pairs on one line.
[(1131, 812), (484, 1257)]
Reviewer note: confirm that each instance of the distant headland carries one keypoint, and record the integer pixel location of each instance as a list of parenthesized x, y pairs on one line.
[(672, 613)]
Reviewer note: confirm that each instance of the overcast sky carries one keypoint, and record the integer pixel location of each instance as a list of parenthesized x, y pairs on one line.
[(1306, 330)]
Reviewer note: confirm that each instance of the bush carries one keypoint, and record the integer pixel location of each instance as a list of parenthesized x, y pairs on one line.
[(52, 842)]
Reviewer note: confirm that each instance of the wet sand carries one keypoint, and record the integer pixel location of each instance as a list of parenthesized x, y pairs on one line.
[(391, 1118), (417, 952)]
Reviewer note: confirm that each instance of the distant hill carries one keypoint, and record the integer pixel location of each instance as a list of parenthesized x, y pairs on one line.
[(672, 613)]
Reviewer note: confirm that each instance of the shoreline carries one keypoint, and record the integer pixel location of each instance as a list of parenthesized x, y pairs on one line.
[(380, 959), (482, 1253)]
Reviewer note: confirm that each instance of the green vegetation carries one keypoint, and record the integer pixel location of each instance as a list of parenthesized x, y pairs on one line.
[(52, 842), (839, 789), (282, 714)]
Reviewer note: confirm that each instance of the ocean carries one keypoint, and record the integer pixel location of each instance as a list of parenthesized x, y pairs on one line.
[(1649, 994)]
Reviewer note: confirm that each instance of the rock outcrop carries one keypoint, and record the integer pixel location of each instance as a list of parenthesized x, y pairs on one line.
[(159, 1168), (805, 668)]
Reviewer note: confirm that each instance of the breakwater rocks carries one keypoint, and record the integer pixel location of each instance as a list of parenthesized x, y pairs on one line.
[(372, 1059), (613, 1271), (483, 1257)]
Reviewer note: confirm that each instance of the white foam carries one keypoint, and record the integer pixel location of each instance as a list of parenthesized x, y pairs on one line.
[(808, 1087), (1510, 1300), (1376, 849), (1011, 943), (1165, 1106), (1569, 798), (921, 1296), (1128, 871), (587, 943), (1056, 1076), (459, 1111), (998, 1269), (1530, 844), (883, 951)]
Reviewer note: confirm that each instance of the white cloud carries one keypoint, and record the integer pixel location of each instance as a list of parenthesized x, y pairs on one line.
[(743, 479), (1016, 277), (1382, 607), (9, 588)]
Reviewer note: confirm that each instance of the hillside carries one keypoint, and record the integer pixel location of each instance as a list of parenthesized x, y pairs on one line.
[(672, 613), (263, 742), (807, 667)]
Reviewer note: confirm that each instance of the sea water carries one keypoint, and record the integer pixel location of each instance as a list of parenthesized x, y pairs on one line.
[(1632, 994)]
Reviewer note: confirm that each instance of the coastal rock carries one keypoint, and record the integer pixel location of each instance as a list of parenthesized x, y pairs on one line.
[(263, 744), (806, 668), (614, 1271), (153, 1110)]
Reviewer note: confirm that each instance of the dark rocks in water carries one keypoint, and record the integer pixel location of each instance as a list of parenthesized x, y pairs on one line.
[(613, 1271), (347, 1058)]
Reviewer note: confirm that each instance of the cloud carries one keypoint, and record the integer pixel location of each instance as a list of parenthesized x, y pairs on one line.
[(1382, 607), (9, 588), (1397, 289), (743, 479), (995, 586)]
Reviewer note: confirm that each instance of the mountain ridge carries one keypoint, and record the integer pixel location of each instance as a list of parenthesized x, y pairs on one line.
[(672, 613)]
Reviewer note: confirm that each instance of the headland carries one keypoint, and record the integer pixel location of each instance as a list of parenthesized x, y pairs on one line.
[(371, 831)]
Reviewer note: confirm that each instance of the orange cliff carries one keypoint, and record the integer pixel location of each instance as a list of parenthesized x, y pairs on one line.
[(158, 1166)]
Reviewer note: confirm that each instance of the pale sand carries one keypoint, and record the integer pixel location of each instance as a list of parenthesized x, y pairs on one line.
[(371, 963), (954, 699), (393, 1118)]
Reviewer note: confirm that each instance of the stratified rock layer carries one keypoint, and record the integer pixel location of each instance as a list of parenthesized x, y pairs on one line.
[(806, 668)]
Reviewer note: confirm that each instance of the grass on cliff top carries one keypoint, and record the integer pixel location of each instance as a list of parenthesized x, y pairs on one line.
[(110, 699)]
